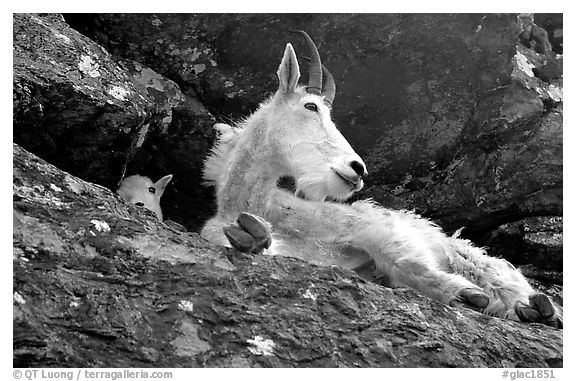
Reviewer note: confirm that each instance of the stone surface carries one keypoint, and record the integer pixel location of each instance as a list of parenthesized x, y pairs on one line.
[(533, 240), (101, 118), (178, 140), (99, 282), (72, 103)]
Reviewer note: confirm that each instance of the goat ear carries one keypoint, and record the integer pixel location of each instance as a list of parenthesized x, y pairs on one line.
[(289, 71), (160, 185)]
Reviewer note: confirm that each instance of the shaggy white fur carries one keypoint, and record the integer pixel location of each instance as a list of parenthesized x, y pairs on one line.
[(288, 137)]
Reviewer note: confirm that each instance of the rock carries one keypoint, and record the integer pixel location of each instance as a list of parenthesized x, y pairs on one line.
[(73, 105), (179, 138), (534, 240), (99, 282), (484, 144), (553, 24), (101, 118), (229, 61)]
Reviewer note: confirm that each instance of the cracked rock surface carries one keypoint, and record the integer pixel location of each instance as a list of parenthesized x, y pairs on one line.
[(101, 283)]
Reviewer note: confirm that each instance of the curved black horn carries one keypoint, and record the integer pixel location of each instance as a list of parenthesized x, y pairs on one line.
[(315, 68), (329, 87)]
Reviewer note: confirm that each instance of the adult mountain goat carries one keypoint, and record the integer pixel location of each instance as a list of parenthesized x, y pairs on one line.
[(292, 134)]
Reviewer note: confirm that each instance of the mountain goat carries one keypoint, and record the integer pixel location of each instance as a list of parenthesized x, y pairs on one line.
[(292, 134), (141, 191)]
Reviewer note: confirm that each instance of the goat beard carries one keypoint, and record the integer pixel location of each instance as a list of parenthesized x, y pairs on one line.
[(322, 186)]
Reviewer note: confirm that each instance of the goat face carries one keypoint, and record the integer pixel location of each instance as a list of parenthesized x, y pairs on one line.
[(311, 149), (141, 191)]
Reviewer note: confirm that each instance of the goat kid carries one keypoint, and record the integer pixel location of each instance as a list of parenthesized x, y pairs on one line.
[(292, 134), (141, 191)]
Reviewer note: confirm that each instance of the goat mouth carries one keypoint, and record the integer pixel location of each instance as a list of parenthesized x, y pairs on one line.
[(353, 183)]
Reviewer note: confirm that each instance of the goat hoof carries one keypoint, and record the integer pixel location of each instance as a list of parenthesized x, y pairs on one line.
[(474, 297), (239, 239), (527, 313), (251, 235), (542, 304), (541, 309), (255, 226)]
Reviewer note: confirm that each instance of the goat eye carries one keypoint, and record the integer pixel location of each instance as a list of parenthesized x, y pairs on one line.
[(152, 190), (311, 106)]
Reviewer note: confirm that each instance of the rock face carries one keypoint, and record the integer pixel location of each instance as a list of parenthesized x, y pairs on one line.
[(535, 242), (101, 118), (73, 104), (101, 283), (176, 143)]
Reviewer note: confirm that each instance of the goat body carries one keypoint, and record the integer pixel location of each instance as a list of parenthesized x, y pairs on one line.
[(292, 134)]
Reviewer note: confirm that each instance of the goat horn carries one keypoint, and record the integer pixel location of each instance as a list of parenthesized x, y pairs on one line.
[(315, 68), (329, 87)]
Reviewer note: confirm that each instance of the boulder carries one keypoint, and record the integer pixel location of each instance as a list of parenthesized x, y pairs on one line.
[(72, 104), (534, 240), (101, 118), (177, 142), (99, 282)]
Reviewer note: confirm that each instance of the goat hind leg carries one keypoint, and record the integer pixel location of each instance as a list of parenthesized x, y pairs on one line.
[(451, 289), (511, 295), (408, 250)]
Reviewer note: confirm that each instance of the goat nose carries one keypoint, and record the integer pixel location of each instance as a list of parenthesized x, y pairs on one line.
[(358, 168), (139, 204)]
